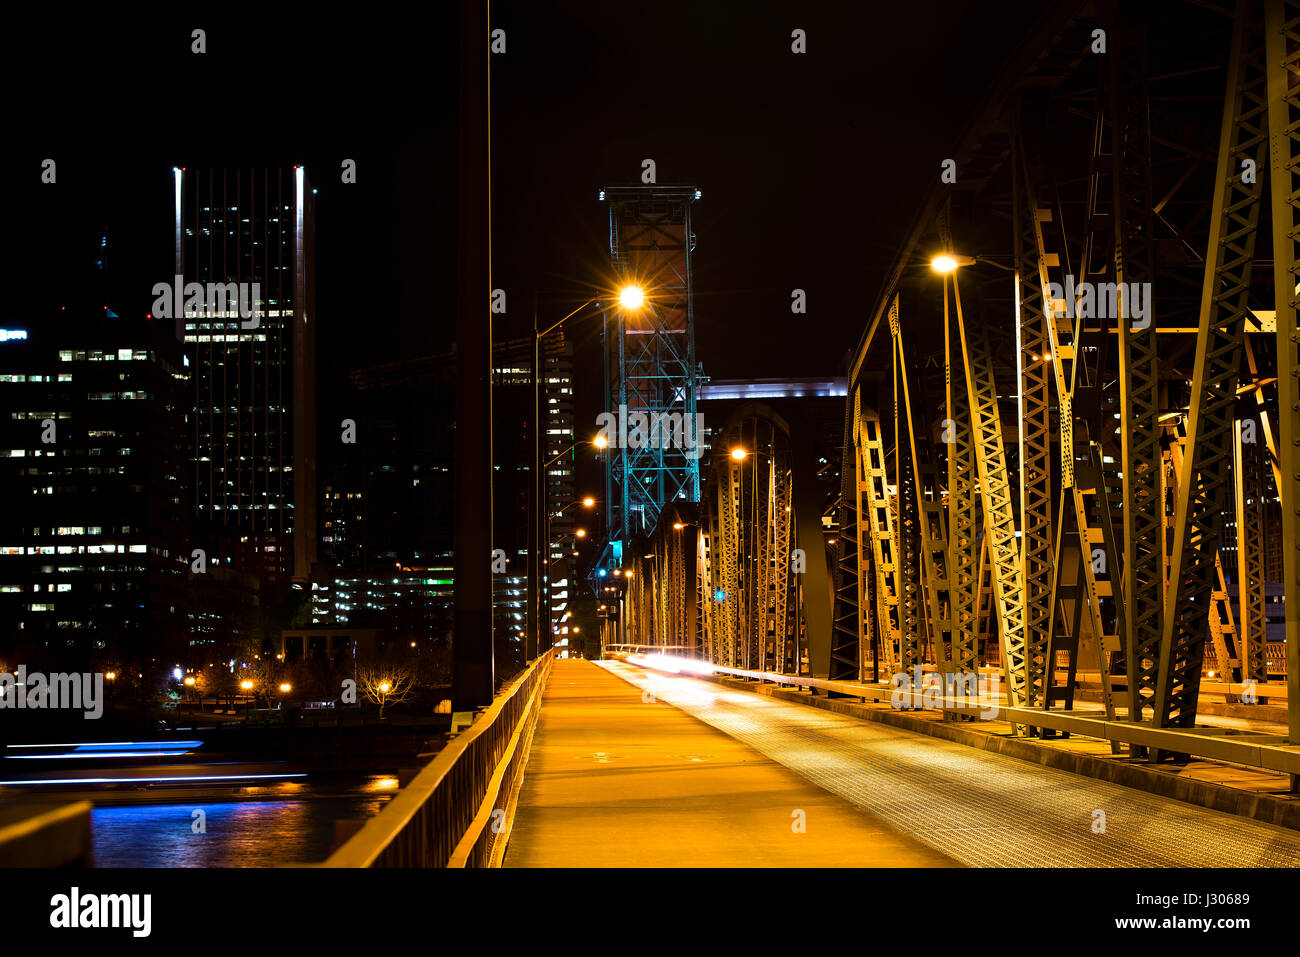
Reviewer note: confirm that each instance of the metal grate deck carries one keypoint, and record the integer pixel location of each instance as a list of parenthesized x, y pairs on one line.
[(983, 809)]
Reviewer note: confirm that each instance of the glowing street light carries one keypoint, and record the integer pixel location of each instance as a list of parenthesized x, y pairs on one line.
[(285, 687), (739, 454), (600, 442), (631, 297), (947, 262), (589, 502), (580, 532)]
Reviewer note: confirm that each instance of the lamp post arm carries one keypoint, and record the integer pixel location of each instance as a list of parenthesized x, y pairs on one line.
[(555, 325)]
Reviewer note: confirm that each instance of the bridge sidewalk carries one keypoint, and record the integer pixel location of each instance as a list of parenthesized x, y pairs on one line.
[(617, 781)]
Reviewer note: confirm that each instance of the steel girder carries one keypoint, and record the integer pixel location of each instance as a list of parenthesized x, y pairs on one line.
[(907, 528), (1282, 31), (1037, 363), (728, 548), (851, 621), (879, 527), (927, 507), (785, 649), (1248, 467), (651, 365), (748, 581), (1054, 348), (965, 547), (995, 494), (1139, 388), (1203, 481)]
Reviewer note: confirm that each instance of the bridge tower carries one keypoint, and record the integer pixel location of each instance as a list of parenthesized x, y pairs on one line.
[(650, 367)]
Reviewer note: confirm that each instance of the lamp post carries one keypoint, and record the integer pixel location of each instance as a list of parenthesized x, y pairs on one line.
[(631, 298), (739, 454)]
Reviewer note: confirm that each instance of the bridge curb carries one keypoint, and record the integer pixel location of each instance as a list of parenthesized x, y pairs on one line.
[(1216, 797)]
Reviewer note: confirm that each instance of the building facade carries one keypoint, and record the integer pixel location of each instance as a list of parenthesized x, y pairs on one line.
[(94, 546), (244, 307)]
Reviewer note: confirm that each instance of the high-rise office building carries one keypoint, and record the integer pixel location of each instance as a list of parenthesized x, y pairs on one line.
[(559, 436), (244, 307), (94, 549)]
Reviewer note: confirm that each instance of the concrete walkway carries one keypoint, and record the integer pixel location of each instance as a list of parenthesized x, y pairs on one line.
[(616, 778)]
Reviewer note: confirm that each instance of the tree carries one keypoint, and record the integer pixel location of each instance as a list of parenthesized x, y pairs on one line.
[(386, 684)]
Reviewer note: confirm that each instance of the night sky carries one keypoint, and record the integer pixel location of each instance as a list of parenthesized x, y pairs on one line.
[(811, 166)]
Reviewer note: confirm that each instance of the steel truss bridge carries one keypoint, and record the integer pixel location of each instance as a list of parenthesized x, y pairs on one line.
[(1027, 481), (1068, 460)]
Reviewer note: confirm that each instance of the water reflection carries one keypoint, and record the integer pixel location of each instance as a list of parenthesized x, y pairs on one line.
[(288, 827)]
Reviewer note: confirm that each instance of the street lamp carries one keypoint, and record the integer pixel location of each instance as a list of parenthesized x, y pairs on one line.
[(947, 262), (631, 298), (738, 454), (944, 263)]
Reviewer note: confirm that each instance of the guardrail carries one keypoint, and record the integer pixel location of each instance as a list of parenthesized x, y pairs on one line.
[(46, 835), (448, 815), (1247, 748)]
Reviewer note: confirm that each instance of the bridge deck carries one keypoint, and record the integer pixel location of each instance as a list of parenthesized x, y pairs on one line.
[(981, 808), (617, 780)]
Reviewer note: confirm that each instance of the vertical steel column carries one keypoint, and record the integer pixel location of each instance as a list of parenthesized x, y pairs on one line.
[(1034, 380), (907, 567), (932, 527), (850, 618), (995, 493), (1252, 632), (884, 554), (963, 510), (473, 682), (1140, 429), (1203, 481), (1282, 32)]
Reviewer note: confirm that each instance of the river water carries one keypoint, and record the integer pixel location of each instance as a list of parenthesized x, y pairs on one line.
[(293, 825)]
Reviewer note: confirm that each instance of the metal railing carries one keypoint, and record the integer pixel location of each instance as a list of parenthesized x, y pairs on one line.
[(456, 812), (1250, 749)]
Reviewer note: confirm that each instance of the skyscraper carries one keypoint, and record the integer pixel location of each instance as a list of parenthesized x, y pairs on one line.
[(93, 544), (244, 307)]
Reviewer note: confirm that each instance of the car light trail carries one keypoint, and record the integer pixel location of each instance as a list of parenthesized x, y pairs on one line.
[(183, 779), (108, 749)]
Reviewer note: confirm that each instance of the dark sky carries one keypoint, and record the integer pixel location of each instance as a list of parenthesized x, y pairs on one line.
[(811, 166)]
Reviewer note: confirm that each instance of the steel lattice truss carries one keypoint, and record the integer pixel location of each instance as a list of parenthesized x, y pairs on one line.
[(651, 353), (1105, 487), (1126, 384)]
